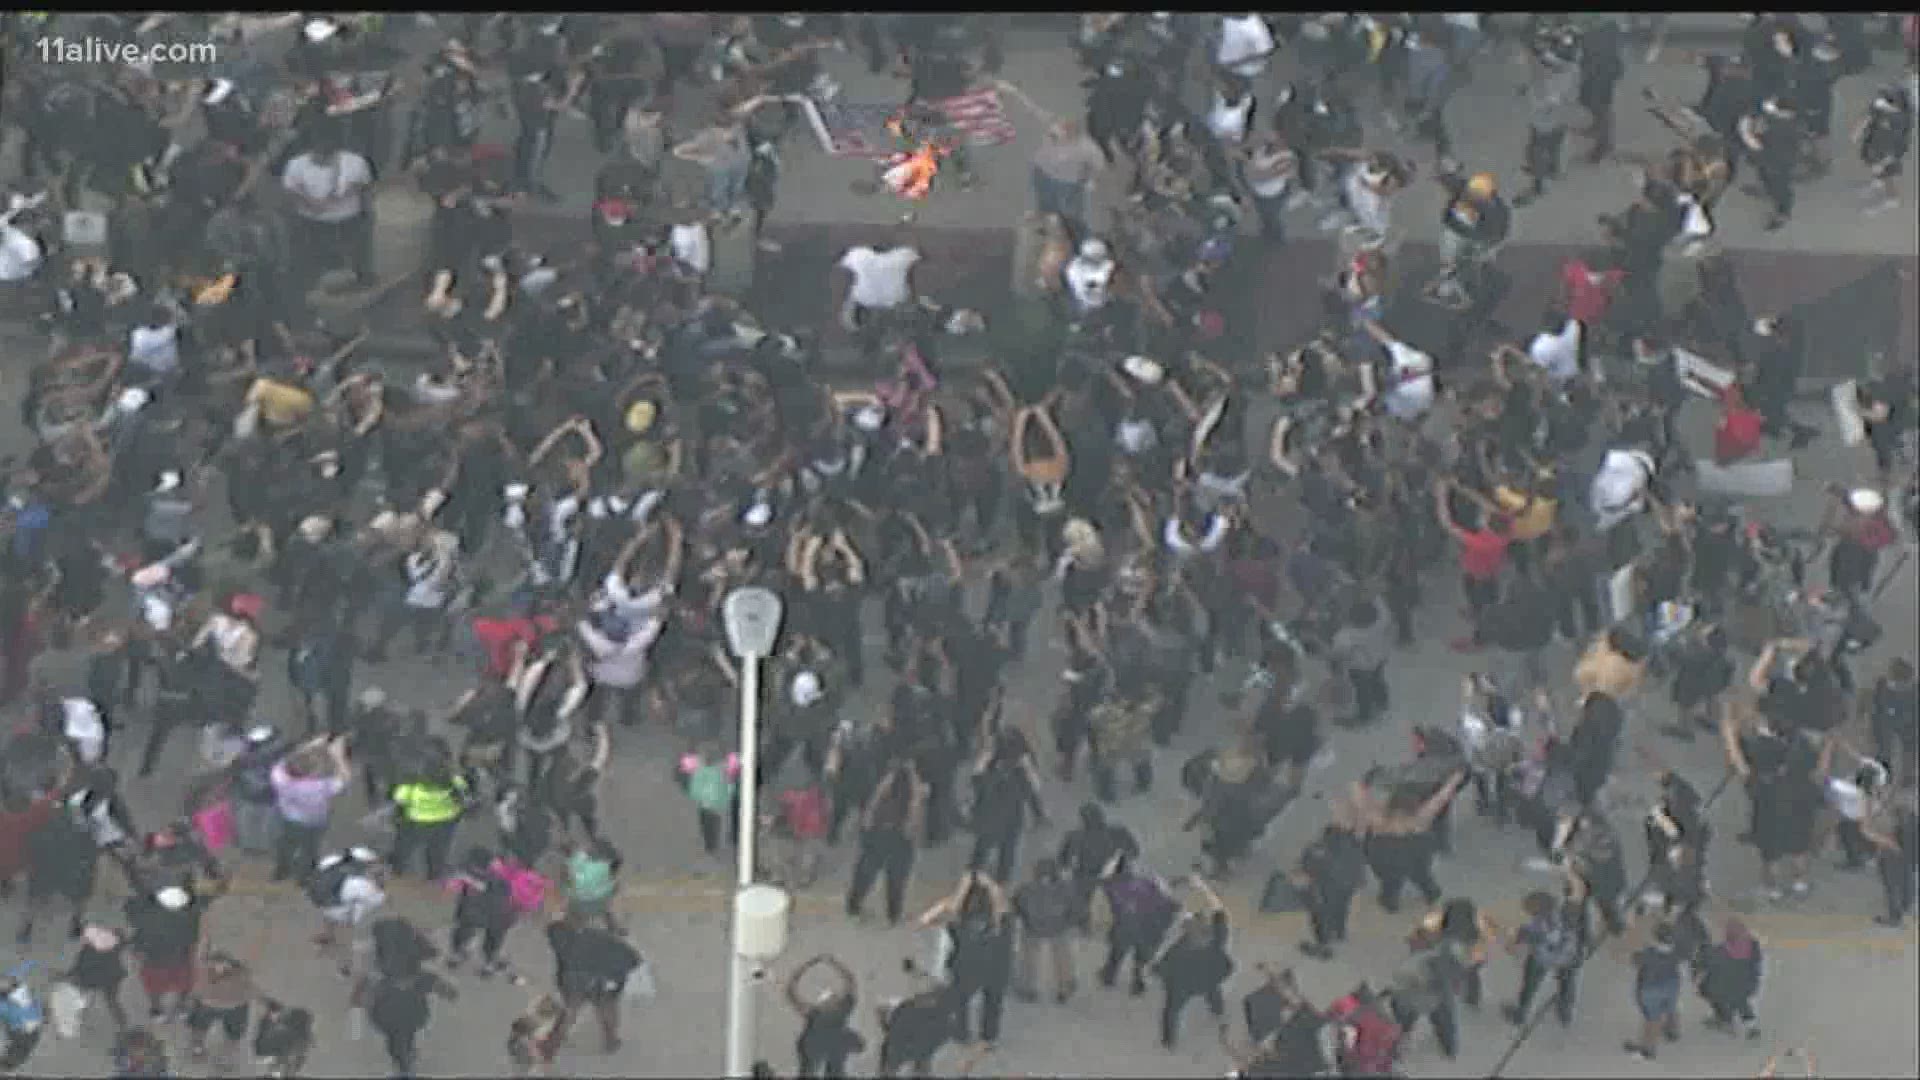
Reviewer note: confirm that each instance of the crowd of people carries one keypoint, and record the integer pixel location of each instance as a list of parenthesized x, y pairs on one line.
[(226, 491)]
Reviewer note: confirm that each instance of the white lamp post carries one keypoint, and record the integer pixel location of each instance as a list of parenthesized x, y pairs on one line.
[(752, 619)]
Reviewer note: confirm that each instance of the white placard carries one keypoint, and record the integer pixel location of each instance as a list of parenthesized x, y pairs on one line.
[(1700, 375), (84, 228)]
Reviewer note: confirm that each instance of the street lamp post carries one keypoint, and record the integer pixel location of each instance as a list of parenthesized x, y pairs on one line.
[(752, 618)]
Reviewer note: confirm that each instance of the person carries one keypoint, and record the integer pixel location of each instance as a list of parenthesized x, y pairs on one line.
[(1142, 911), (1728, 976), (827, 1038), (712, 783), (1550, 943), (429, 811), (224, 997), (1045, 904), (1884, 136), (283, 1040), (329, 188), (978, 921), (484, 907), (1656, 989), (1483, 556), (1335, 866), (99, 968), (1065, 168), (1194, 962), (166, 935), (139, 1054), (1006, 788), (305, 784), (592, 879), (1087, 852), (399, 1006), (593, 966), (348, 887), (914, 1029), (893, 816), (22, 1018), (529, 1037), (1427, 985), (1893, 828), (879, 285)]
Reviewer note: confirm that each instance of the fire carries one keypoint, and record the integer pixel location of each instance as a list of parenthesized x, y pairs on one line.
[(910, 176)]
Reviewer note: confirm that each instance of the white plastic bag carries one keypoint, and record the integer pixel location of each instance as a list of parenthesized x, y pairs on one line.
[(640, 985)]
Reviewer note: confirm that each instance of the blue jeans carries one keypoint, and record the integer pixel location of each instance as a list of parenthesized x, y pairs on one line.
[(1062, 197)]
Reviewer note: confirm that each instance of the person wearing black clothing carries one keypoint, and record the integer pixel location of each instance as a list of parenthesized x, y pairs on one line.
[(1600, 71), (1771, 135), (981, 963), (483, 909), (916, 1029), (399, 1006), (1006, 788), (1893, 717), (1777, 354), (1194, 963), (1553, 943), (1335, 865), (99, 968), (1116, 103), (1892, 826), (540, 94), (827, 1038), (887, 829), (1087, 851), (179, 673), (592, 965)]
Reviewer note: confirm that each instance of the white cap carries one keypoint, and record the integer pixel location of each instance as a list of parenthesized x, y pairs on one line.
[(1095, 250), (319, 30), (173, 898), (169, 480), (806, 689), (221, 90), (870, 418), (1141, 368), (132, 400), (1866, 501), (758, 514)]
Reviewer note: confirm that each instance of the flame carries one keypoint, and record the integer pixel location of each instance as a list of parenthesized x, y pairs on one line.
[(910, 176)]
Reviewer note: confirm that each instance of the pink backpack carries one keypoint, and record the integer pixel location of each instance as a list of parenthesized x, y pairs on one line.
[(527, 887)]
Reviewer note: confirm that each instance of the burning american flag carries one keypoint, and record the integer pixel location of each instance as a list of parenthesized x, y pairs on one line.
[(855, 129)]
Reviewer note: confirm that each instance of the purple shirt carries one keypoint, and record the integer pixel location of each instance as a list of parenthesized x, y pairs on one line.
[(304, 800)]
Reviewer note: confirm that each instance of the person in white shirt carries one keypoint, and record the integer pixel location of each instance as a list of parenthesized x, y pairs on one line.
[(880, 282), (361, 892), (84, 730), (1243, 44), (432, 572), (332, 218), (1556, 348), (1409, 389), (153, 347), (618, 651)]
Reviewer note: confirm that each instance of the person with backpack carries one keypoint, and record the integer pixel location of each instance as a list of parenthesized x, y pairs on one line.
[(22, 1018), (1550, 941), (592, 966), (399, 1006), (256, 818), (348, 887), (486, 906), (1369, 1041), (712, 782), (166, 937)]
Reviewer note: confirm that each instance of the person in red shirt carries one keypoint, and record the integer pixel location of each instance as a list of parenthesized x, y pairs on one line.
[(1587, 287), (498, 638), (1483, 555), (1739, 431)]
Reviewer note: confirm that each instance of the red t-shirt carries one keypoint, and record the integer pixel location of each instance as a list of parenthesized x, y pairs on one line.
[(806, 812), (1587, 299), (1482, 554), (497, 638), (1738, 434)]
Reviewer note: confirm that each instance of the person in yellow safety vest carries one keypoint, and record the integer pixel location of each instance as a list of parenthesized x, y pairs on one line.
[(427, 810)]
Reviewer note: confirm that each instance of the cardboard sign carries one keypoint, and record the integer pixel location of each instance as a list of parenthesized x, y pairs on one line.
[(1701, 376)]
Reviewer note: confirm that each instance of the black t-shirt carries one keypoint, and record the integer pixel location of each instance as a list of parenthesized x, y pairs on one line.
[(590, 961), (164, 938)]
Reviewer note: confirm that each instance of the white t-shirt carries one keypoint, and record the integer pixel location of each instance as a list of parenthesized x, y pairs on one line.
[(692, 247), (1410, 375), (1245, 43), (83, 729), (1370, 208), (156, 348), (335, 185), (879, 277), (1557, 354), (359, 898), (1228, 120), (20, 255), (1619, 488), (1088, 281)]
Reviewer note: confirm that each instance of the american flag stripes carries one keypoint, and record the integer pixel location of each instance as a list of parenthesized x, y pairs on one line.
[(855, 129)]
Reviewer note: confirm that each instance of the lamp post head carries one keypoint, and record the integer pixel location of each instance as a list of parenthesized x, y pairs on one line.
[(752, 617)]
